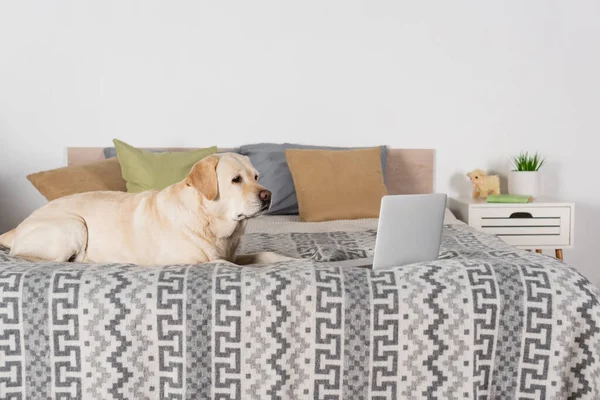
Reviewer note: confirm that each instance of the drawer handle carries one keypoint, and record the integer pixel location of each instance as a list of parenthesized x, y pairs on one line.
[(521, 215)]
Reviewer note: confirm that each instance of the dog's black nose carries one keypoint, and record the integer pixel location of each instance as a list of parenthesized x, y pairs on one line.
[(265, 196)]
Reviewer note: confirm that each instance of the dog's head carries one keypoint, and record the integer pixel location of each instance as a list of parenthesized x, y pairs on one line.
[(477, 176), (228, 185)]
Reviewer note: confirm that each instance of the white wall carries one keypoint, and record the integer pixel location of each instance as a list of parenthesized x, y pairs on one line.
[(478, 81)]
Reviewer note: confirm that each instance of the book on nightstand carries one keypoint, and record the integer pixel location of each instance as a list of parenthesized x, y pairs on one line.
[(509, 198)]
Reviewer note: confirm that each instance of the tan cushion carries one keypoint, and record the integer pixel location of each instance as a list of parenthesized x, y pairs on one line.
[(338, 184), (60, 182)]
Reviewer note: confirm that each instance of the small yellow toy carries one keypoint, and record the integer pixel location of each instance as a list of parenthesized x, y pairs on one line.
[(483, 184)]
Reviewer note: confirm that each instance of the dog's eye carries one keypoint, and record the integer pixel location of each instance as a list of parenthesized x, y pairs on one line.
[(255, 177), (237, 179)]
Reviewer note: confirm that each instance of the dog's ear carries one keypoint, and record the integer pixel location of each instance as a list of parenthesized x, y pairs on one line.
[(203, 177)]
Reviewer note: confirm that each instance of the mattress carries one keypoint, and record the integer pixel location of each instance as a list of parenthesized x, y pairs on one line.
[(486, 320)]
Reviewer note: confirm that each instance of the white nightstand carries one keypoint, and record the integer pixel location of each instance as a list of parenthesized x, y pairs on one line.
[(542, 224)]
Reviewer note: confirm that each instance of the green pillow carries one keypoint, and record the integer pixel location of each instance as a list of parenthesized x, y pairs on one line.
[(146, 170)]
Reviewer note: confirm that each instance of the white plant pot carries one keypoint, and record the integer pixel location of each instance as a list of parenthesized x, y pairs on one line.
[(524, 182)]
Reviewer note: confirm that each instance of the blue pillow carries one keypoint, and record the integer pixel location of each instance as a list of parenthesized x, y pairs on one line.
[(110, 152), (269, 159)]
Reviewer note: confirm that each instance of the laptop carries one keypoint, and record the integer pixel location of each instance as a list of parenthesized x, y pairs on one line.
[(409, 231)]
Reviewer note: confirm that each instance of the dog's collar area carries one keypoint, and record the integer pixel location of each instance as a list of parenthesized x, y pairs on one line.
[(241, 217)]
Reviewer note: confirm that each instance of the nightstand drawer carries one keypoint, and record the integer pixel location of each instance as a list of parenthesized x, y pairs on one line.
[(543, 224), (525, 226)]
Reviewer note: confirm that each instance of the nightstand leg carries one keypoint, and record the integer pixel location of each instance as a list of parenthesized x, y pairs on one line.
[(539, 251), (559, 254)]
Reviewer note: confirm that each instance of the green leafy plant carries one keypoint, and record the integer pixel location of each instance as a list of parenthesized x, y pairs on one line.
[(527, 162)]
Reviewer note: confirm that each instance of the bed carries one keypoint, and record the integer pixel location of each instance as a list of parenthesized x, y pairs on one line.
[(484, 321)]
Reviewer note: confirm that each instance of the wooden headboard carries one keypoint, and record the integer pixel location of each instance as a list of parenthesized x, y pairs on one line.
[(408, 171)]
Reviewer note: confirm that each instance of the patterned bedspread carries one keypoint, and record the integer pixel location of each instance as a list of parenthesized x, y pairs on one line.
[(485, 321)]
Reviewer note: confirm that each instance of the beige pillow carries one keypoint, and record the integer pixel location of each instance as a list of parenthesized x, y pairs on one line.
[(101, 175), (337, 184)]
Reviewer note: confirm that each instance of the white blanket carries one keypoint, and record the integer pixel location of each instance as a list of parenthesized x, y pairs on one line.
[(291, 223)]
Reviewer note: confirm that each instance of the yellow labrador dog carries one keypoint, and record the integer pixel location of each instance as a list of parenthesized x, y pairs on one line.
[(198, 220)]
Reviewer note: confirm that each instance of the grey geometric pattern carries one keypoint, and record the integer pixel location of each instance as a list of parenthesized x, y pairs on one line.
[(198, 331), (589, 349), (170, 304), (118, 340), (357, 327), (413, 321), (96, 316), (328, 332), (456, 329), (508, 341), (538, 323), (227, 332), (328, 246), (36, 335), (64, 333), (322, 246), (569, 302), (258, 345), (140, 298), (485, 321), (385, 334), (279, 339), (298, 330), (12, 360), (485, 314), (433, 331)]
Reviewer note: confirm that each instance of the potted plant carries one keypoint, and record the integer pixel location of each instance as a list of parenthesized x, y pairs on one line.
[(525, 177)]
